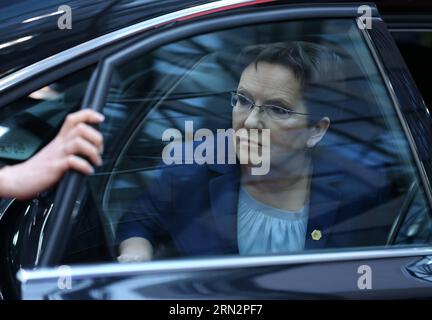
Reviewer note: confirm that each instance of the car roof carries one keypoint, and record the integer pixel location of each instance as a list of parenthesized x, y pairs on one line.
[(29, 30)]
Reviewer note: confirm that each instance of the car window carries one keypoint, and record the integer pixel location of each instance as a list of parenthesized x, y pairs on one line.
[(28, 123), (269, 139), (416, 48)]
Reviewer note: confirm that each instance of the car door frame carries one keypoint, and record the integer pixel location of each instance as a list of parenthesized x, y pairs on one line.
[(406, 257)]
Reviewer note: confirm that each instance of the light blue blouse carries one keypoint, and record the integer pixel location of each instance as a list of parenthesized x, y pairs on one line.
[(262, 229)]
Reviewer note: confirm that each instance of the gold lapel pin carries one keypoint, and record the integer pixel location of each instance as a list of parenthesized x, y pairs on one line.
[(316, 235)]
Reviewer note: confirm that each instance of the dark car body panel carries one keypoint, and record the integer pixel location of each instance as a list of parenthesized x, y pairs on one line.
[(90, 19), (393, 278), (95, 18)]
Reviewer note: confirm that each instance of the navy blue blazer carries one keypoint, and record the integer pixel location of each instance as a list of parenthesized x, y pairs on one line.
[(195, 207)]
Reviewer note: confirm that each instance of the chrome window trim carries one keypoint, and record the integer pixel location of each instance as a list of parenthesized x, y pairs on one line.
[(410, 30), (203, 264), (404, 124), (83, 48)]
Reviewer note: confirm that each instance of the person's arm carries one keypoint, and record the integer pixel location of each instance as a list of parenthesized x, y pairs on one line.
[(138, 229), (69, 150), (141, 228), (135, 249)]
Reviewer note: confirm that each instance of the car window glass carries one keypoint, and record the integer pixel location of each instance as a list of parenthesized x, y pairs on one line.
[(268, 139), (30, 122)]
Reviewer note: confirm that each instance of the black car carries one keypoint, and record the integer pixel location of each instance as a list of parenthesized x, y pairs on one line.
[(151, 66)]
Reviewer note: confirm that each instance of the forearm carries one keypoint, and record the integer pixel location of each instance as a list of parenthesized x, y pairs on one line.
[(135, 249), (77, 147), (7, 182)]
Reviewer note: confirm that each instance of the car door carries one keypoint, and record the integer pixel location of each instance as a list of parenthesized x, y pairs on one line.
[(374, 240)]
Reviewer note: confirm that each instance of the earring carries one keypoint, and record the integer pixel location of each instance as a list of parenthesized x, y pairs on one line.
[(310, 144)]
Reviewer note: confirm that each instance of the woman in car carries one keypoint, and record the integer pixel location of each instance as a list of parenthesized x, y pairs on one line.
[(215, 209)]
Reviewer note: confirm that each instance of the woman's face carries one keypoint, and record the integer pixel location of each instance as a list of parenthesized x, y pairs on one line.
[(273, 84)]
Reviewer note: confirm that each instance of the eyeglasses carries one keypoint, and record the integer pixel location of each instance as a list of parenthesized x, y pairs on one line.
[(244, 104)]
